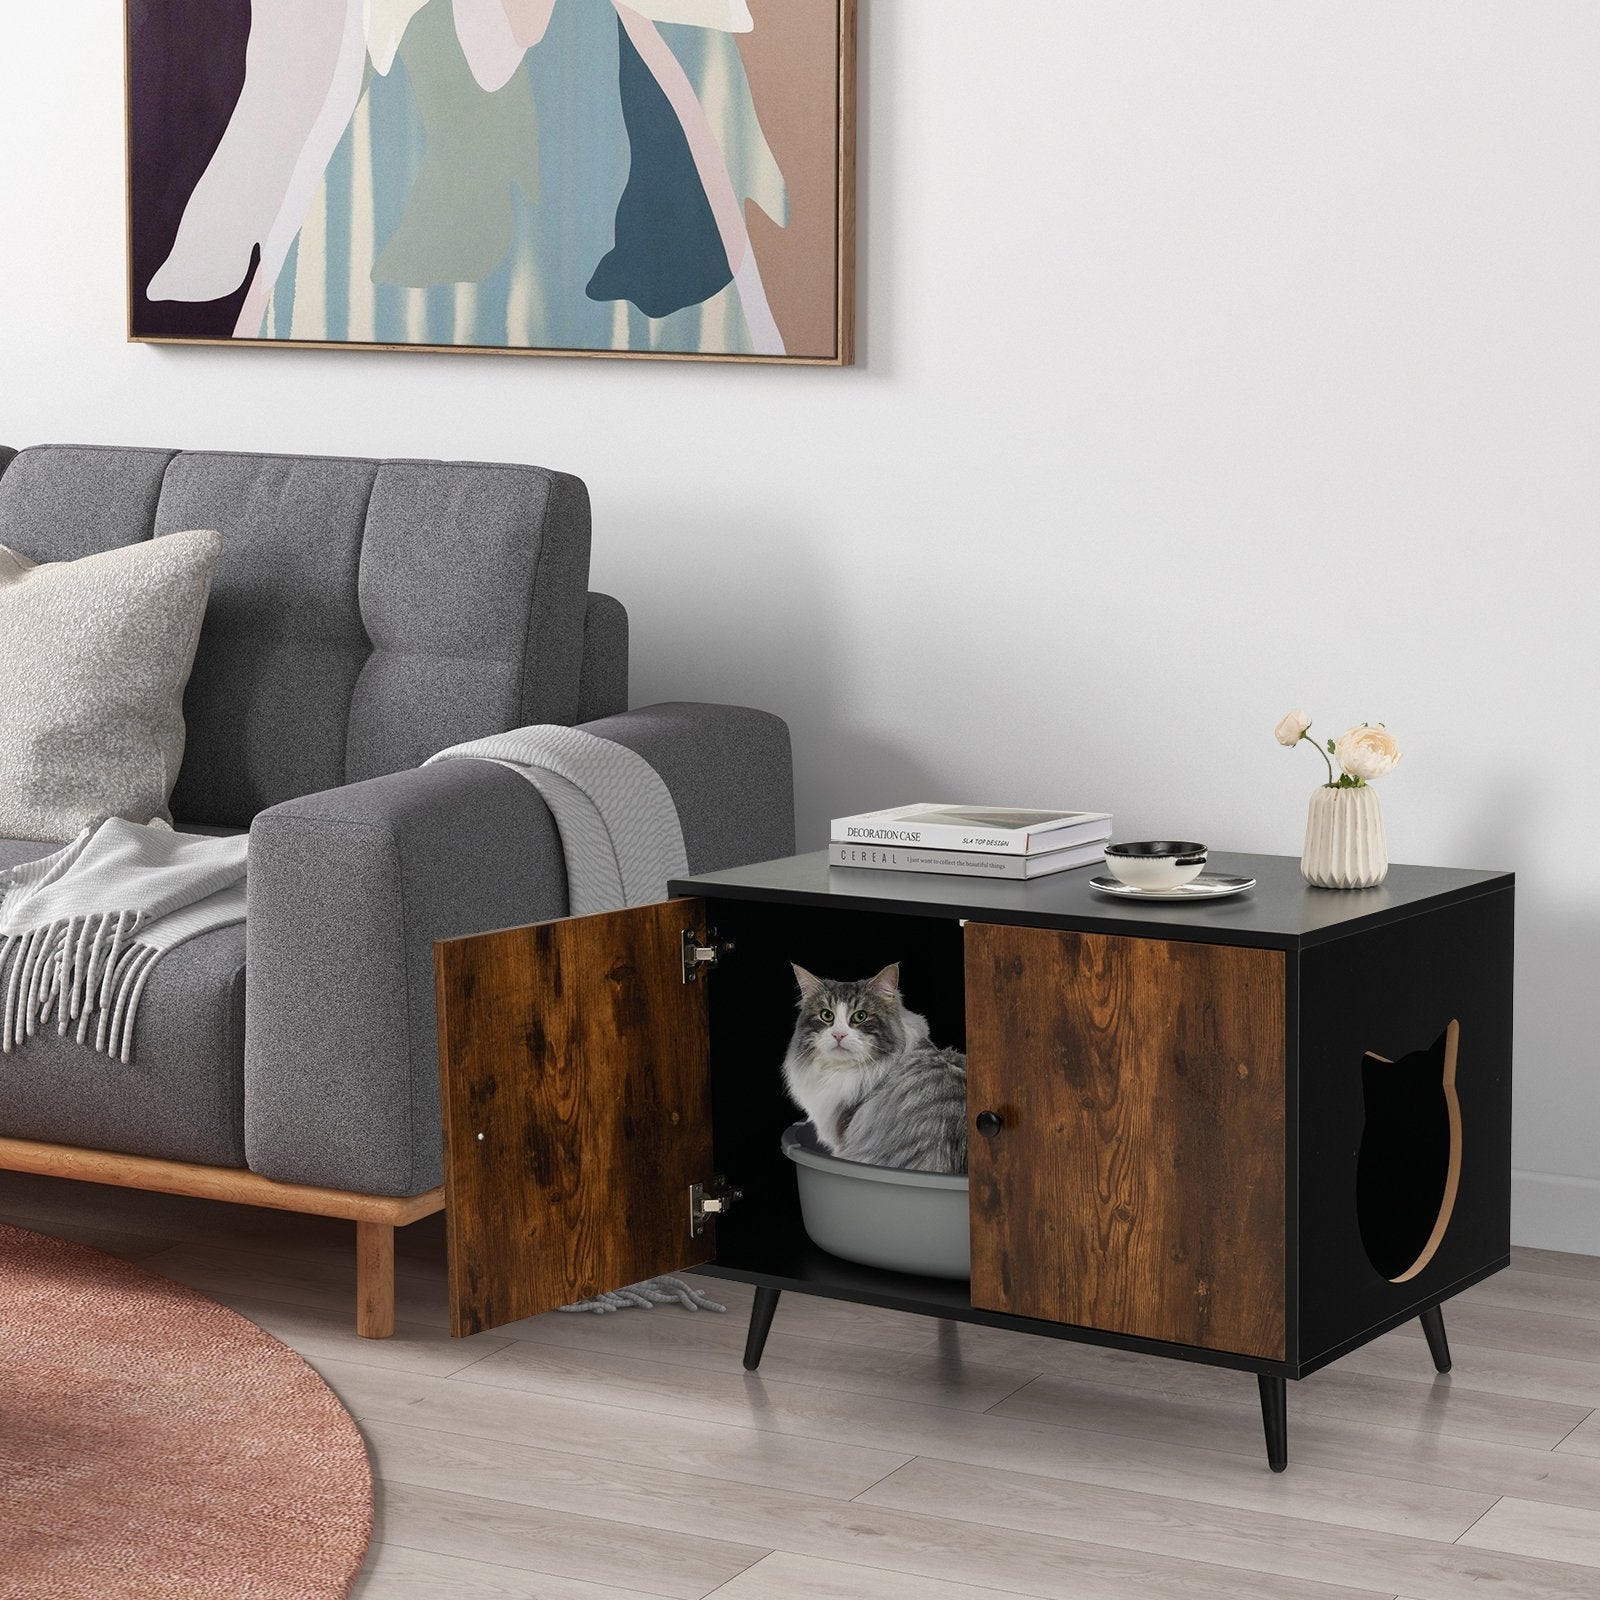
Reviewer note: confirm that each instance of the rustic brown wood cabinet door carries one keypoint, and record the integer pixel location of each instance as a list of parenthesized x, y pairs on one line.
[(576, 1094), (1136, 1183)]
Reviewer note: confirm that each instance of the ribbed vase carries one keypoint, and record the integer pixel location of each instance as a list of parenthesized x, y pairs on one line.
[(1345, 847)]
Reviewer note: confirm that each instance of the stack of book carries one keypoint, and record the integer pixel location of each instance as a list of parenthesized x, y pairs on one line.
[(971, 841)]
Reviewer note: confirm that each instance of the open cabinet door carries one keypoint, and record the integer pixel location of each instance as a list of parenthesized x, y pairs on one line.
[(576, 1096)]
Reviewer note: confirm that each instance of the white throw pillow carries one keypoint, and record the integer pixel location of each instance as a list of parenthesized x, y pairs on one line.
[(94, 656)]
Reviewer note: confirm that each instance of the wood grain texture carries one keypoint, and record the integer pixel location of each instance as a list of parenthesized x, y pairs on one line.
[(176, 1217), (212, 1183), (1377, 1402), (782, 1576), (1248, 1542), (1529, 1528), (420, 1349), (559, 1542), (1137, 1183), (1544, 1293), (575, 1087), (375, 1215), (1520, 1373), (1476, 1319), (374, 1280), (926, 1377), (1210, 1452), (1557, 1263), (727, 1452), (1066, 1562), (1584, 1440), (1079, 1492), (1402, 1390), (395, 1573), (1384, 1453), (311, 1283)]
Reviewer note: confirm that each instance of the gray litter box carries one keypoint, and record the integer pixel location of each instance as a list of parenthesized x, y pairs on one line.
[(881, 1216)]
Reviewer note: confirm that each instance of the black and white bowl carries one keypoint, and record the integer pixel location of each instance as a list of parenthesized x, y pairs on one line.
[(1156, 863)]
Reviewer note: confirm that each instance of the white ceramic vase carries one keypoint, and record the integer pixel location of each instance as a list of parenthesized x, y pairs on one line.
[(1345, 847)]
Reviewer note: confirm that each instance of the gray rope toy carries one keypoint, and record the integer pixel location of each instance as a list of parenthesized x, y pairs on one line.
[(652, 1292)]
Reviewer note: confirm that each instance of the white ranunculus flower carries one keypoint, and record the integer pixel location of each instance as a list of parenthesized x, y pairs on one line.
[(1290, 730), (1367, 752)]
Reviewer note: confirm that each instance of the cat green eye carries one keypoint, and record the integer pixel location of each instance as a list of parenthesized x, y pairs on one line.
[(825, 1015), (858, 1018)]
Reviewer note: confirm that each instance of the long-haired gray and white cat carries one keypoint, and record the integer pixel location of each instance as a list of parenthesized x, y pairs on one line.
[(877, 1090)]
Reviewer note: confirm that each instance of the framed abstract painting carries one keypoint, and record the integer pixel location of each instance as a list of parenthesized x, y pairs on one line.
[(659, 178)]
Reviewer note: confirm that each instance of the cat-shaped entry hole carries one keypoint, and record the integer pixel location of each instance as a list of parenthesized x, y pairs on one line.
[(1409, 1166)]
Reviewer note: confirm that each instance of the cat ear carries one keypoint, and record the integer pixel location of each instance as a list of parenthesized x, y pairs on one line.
[(809, 983), (887, 983)]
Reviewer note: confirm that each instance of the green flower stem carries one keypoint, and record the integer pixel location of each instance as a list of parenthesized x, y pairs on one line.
[(1306, 735)]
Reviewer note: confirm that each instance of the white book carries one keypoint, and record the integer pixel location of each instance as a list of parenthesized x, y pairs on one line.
[(1003, 830), (963, 863)]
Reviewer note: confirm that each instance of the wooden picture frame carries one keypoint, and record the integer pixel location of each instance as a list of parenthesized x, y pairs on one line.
[(660, 180)]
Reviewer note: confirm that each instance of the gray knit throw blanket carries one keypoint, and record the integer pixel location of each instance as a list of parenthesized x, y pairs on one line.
[(80, 930), (647, 1295), (619, 828)]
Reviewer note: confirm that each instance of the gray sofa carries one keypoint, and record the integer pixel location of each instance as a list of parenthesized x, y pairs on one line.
[(364, 614)]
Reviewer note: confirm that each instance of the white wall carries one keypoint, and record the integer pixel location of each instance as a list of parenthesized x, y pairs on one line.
[(1216, 359)]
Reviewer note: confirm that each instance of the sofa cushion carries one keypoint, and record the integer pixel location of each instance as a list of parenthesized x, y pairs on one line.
[(269, 697), (94, 656), (59, 502), (181, 1099), (364, 613), (474, 591)]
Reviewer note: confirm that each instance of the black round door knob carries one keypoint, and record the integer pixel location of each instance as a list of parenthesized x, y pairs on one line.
[(989, 1123)]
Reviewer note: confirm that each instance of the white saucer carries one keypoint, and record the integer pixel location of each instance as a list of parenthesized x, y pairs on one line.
[(1208, 886)]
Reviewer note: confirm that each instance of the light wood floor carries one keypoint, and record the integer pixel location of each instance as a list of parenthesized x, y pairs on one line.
[(879, 1456)]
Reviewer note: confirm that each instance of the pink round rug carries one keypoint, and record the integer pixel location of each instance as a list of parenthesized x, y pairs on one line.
[(156, 1446)]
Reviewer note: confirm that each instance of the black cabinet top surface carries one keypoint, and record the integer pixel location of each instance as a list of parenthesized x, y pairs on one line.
[(1281, 912)]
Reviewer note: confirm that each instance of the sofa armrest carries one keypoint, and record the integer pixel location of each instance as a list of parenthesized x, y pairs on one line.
[(729, 771), (349, 889), (603, 682)]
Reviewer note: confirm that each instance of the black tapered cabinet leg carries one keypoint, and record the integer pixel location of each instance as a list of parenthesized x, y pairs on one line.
[(1275, 1419), (761, 1314), (1432, 1321)]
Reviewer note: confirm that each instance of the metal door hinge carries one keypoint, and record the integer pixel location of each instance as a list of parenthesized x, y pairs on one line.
[(712, 1202), (697, 955)]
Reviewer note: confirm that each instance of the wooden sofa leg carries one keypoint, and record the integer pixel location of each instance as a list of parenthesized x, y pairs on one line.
[(375, 1279)]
